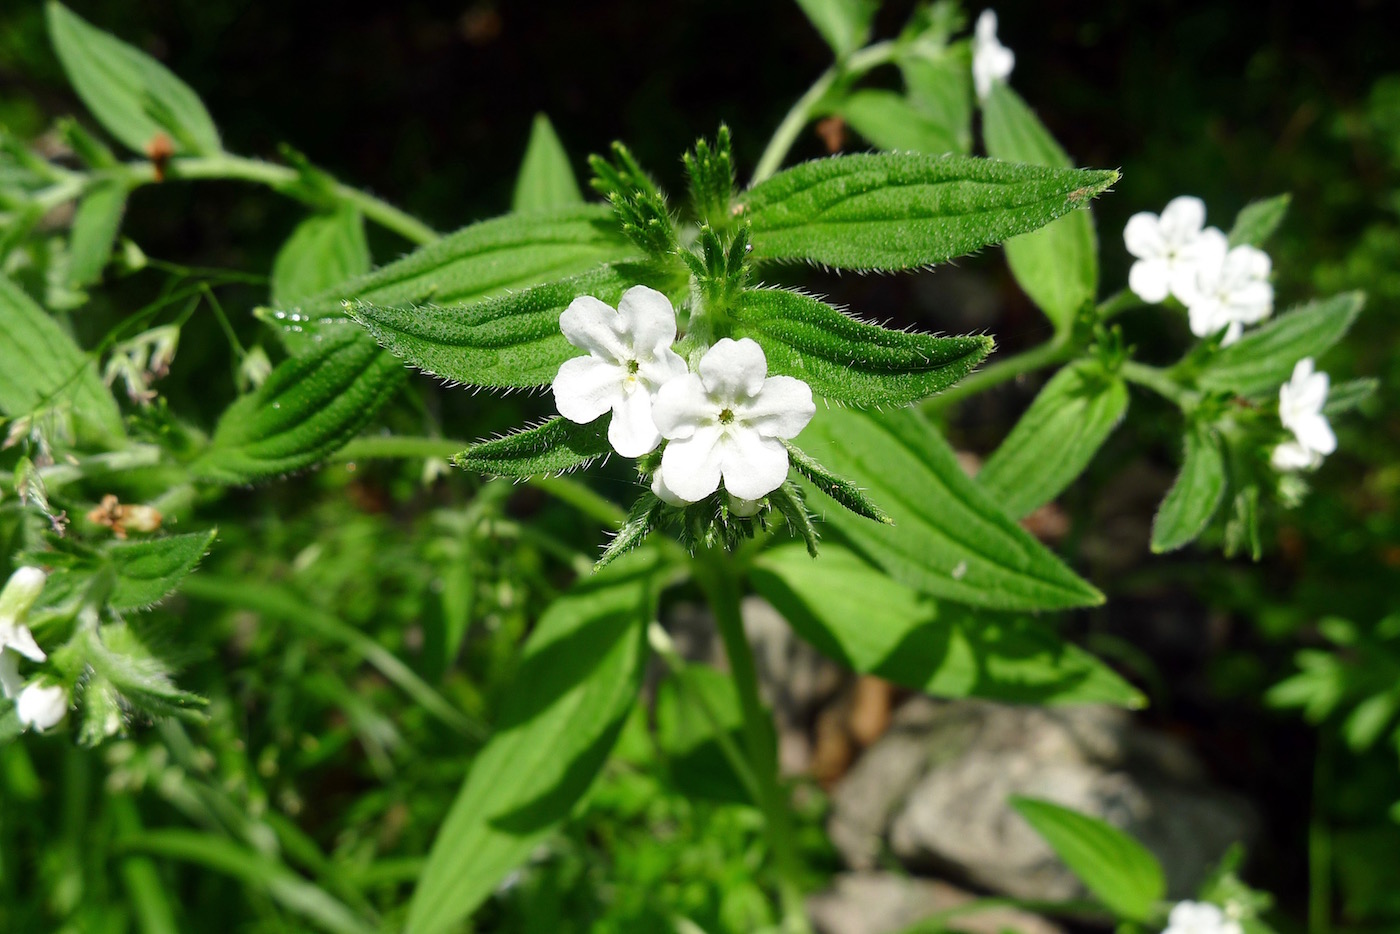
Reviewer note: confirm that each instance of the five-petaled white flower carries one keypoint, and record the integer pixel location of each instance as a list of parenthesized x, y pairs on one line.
[(727, 422), (1166, 248), (1227, 288), (19, 594), (1200, 918), (42, 706), (629, 359), (1300, 402), (991, 61)]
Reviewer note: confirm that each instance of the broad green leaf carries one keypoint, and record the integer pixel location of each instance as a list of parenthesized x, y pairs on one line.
[(838, 488), (554, 447), (847, 360), (1195, 496), (891, 122), (855, 614), (689, 705), (577, 681), (1343, 397), (545, 181), (1058, 265), (1055, 439), (95, 227), (1116, 868), (324, 250), (149, 570), (844, 24), (40, 366), (949, 539), (131, 94), (308, 409), (511, 341), (1258, 220), (894, 211), (941, 88), (1263, 359)]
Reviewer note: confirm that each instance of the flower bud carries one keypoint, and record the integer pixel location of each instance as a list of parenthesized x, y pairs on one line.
[(42, 706), (21, 590)]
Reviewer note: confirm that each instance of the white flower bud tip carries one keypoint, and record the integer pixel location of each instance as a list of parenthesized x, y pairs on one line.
[(42, 706)]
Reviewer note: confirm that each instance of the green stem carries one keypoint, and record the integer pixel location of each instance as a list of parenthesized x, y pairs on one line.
[(714, 573), (1160, 382), (1054, 351)]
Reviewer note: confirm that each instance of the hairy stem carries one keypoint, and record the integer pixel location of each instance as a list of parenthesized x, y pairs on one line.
[(1160, 382)]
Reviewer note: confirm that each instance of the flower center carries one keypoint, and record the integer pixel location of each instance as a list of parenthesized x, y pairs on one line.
[(632, 367), (726, 416)]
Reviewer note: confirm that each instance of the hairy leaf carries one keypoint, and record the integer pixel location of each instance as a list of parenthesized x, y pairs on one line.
[(891, 122), (95, 227), (949, 539), (309, 408), (1195, 496), (846, 360), (150, 570), (1115, 867), (844, 24), (896, 211), (838, 488), (1058, 265), (577, 680), (545, 181), (554, 447), (1258, 220), (40, 367), (324, 250), (1263, 359), (855, 614), (642, 518), (131, 94), (1055, 439)]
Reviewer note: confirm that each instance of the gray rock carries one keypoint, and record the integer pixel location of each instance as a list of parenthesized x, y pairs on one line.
[(884, 903)]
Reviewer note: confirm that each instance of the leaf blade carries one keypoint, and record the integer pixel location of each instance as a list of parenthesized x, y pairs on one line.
[(545, 181), (1261, 361), (552, 448), (1196, 495), (325, 249)]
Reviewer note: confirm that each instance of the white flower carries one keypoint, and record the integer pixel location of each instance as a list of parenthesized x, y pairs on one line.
[(726, 422), (1165, 247), (1200, 918), (629, 359), (42, 706), (1228, 288), (1300, 402), (19, 594), (991, 61)]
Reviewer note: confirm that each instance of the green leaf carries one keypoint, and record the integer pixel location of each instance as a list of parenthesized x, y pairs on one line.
[(844, 24), (1116, 868), (308, 409), (890, 121), (148, 571), (838, 488), (131, 94), (116, 655), (847, 360), (577, 681), (40, 366), (545, 181), (95, 227), (949, 539), (1055, 439), (641, 519), (554, 447), (1058, 265), (324, 250), (856, 615), (511, 341), (688, 705), (1195, 496), (896, 211), (1343, 397), (1258, 220), (1263, 359), (941, 88)]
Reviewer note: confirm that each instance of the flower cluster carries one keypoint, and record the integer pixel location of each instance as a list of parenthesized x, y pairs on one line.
[(991, 61), (726, 422), (37, 704), (1223, 288), (1300, 403), (1201, 918)]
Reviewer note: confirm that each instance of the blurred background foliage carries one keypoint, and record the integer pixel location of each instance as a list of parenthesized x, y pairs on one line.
[(1282, 674)]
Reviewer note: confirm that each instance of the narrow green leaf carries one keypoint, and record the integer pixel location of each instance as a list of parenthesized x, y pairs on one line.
[(554, 447), (324, 250), (1055, 439), (949, 539), (859, 616), (642, 518), (577, 681), (896, 211), (791, 504), (131, 94), (838, 488), (1258, 220), (1116, 868), (511, 341), (40, 367), (308, 409), (941, 88), (847, 360), (1343, 397), (1195, 496), (545, 181), (844, 24), (1058, 265), (149, 570), (1263, 359), (688, 705), (891, 122), (95, 227), (117, 656)]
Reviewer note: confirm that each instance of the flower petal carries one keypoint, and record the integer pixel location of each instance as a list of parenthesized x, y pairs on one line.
[(41, 706), (660, 369), (782, 408), (1149, 280), (591, 324), (10, 681), (1205, 316), (1182, 220), (663, 491), (733, 370), (648, 318), (682, 406), (1315, 433), (753, 465), (1143, 237), (632, 432), (692, 464), (1290, 455), (586, 387)]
